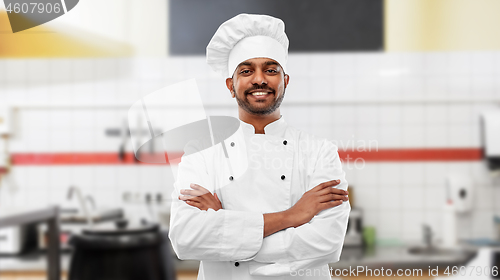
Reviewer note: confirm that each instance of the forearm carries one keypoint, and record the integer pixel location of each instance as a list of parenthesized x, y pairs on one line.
[(318, 239), (222, 235), (274, 222)]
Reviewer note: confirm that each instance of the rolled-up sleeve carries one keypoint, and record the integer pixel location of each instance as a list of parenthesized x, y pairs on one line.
[(223, 235), (315, 243)]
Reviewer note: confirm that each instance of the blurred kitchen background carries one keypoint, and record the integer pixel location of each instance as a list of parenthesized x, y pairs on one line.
[(408, 89)]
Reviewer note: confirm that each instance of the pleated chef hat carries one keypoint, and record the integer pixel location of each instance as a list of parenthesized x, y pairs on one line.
[(247, 36)]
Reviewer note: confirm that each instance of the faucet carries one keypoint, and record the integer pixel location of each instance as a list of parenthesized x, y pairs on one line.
[(91, 200), (427, 231), (81, 201)]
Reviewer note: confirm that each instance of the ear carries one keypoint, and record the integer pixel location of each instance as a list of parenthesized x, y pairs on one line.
[(229, 85), (287, 79)]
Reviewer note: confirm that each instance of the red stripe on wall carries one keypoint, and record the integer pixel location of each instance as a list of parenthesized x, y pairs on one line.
[(448, 154), (77, 159), (381, 155)]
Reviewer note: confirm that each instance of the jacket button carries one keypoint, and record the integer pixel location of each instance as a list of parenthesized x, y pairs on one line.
[(236, 264), (231, 178), (283, 177), (232, 144), (285, 142)]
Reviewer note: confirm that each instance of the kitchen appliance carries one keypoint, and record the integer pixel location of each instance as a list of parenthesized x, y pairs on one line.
[(17, 239), (491, 140), (12, 240), (460, 192), (72, 221), (43, 237), (121, 251), (354, 235)]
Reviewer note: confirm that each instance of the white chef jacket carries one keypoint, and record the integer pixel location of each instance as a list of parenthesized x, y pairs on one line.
[(252, 175)]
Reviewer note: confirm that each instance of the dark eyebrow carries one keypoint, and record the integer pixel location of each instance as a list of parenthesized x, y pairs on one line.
[(270, 62), (244, 63)]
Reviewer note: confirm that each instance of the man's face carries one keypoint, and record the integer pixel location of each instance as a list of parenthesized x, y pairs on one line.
[(258, 84)]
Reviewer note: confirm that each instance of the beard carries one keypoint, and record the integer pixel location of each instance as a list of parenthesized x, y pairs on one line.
[(245, 104)]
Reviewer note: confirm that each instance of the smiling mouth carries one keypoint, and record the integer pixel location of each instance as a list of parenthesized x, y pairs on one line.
[(259, 93)]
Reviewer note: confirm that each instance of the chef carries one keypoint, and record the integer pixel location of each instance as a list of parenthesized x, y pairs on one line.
[(270, 201)]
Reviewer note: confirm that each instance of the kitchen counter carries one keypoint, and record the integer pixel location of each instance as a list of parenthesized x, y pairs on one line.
[(400, 257), (24, 216), (34, 261), (47, 215)]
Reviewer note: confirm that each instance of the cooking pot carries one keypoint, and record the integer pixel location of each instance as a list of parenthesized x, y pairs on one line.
[(122, 252)]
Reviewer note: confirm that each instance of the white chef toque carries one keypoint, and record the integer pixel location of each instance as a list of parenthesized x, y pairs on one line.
[(244, 37)]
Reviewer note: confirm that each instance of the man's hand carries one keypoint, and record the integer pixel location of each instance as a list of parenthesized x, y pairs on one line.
[(321, 197), (200, 198)]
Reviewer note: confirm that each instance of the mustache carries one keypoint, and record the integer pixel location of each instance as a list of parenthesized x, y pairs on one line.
[(257, 87)]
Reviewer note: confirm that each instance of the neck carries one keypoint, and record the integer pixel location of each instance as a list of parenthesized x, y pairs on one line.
[(258, 121)]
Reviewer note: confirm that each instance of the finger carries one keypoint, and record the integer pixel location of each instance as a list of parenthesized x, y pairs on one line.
[(192, 202), (332, 190), (216, 197), (331, 204), (188, 197), (326, 184), (195, 204), (185, 197), (329, 197), (199, 188), (192, 192), (338, 191), (187, 192)]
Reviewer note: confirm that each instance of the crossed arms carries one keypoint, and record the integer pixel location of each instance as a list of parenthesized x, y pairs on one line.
[(309, 233), (320, 198)]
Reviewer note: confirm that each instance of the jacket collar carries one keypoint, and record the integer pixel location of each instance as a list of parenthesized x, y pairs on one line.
[(276, 128)]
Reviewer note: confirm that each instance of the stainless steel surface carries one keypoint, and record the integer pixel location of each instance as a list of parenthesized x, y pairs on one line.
[(26, 216), (81, 201), (50, 216), (98, 216), (433, 251), (91, 200), (400, 257)]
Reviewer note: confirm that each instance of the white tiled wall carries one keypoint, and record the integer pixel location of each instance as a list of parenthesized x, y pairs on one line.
[(398, 100)]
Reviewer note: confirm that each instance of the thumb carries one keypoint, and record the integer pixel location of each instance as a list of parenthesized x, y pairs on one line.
[(216, 197)]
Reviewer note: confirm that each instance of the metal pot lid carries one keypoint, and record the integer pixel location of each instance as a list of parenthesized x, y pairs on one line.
[(121, 227)]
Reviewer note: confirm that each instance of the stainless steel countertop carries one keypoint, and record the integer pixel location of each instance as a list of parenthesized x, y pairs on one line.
[(399, 257), (14, 217)]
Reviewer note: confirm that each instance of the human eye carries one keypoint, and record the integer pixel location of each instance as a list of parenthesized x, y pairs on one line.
[(245, 71), (272, 71)]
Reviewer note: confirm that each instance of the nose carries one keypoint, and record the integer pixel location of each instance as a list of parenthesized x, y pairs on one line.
[(259, 78)]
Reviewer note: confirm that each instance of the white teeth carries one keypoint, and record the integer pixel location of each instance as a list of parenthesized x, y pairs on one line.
[(259, 93)]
